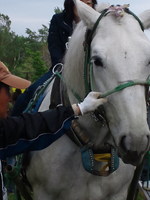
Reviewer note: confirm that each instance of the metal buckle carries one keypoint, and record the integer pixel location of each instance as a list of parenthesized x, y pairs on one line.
[(57, 68)]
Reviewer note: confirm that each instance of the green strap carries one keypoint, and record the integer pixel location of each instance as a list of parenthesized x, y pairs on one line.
[(123, 86), (131, 13), (89, 39), (109, 92), (86, 71), (87, 44), (39, 91)]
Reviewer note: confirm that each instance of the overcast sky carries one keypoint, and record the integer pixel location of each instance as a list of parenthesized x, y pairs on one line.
[(33, 13)]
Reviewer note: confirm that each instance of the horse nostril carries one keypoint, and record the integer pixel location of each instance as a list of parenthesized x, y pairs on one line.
[(148, 145), (148, 138), (122, 143)]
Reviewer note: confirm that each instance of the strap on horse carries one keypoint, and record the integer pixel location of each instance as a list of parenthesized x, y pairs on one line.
[(14, 174), (106, 160), (38, 96)]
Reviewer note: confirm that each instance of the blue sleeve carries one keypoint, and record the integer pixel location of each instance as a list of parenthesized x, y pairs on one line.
[(31, 132)]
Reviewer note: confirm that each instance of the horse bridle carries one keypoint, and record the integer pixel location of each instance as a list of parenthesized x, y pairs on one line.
[(88, 75), (88, 65), (86, 150)]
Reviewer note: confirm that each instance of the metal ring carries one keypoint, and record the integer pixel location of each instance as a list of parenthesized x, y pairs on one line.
[(67, 45), (57, 68)]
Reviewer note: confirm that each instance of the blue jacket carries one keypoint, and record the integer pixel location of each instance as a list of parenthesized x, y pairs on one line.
[(59, 31), (30, 132)]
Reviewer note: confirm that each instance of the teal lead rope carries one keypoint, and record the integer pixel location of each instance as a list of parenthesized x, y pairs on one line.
[(112, 91), (125, 85)]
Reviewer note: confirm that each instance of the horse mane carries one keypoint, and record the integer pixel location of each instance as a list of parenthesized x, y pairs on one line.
[(74, 65)]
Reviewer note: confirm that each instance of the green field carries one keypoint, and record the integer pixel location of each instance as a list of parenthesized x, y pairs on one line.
[(12, 197)]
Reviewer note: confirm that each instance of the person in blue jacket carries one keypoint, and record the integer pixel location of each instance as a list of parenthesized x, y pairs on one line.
[(30, 132), (23, 133)]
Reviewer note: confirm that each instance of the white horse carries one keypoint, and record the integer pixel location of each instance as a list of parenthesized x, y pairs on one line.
[(120, 52)]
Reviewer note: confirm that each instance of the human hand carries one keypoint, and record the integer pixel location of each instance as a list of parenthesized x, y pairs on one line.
[(91, 102)]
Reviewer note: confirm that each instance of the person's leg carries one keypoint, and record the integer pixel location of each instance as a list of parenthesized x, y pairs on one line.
[(24, 98)]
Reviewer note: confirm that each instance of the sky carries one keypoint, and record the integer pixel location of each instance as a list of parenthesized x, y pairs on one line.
[(33, 13)]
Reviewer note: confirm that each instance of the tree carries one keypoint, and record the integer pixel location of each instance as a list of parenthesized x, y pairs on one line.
[(27, 57), (58, 10), (4, 22), (43, 34)]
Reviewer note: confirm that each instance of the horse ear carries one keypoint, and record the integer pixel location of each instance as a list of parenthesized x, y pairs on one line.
[(145, 19), (87, 14), (101, 6)]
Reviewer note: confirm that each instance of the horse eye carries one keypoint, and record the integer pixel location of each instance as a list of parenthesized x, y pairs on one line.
[(98, 61)]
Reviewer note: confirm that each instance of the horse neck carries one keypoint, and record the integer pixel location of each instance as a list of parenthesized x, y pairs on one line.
[(74, 63)]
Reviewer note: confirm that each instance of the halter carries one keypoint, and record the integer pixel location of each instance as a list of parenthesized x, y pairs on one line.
[(110, 160), (118, 11), (90, 160)]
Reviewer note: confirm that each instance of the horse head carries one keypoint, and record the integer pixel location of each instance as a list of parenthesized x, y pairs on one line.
[(119, 53)]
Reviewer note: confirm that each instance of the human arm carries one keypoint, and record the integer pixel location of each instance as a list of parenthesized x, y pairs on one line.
[(30, 132), (37, 131)]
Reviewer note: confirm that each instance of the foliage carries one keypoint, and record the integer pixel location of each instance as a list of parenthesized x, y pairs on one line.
[(27, 57), (57, 10), (4, 22)]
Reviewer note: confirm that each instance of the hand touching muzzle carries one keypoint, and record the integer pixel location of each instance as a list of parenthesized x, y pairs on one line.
[(91, 102)]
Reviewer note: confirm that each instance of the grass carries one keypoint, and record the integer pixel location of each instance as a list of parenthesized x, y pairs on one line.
[(12, 197)]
